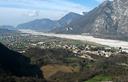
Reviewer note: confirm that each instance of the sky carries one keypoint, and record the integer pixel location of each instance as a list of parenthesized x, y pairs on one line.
[(14, 12)]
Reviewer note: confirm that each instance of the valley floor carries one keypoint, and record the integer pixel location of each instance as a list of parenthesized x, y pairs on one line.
[(107, 42)]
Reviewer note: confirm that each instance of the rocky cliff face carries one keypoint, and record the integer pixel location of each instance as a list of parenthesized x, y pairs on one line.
[(112, 20), (104, 21), (121, 15)]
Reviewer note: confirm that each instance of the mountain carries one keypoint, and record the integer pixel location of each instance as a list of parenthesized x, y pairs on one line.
[(15, 64), (66, 20), (108, 19), (5, 31), (38, 25), (7, 27), (46, 25), (91, 22)]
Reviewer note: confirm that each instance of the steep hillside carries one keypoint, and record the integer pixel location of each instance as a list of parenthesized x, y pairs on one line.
[(14, 66)]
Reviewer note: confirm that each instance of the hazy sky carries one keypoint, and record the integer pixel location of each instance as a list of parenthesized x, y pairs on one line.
[(13, 12)]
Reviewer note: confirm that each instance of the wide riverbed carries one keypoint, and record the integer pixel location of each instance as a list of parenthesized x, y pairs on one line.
[(108, 42)]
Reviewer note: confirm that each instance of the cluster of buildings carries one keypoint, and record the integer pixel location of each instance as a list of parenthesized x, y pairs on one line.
[(79, 50)]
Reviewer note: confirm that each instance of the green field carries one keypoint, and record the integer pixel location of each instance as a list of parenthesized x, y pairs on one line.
[(100, 78)]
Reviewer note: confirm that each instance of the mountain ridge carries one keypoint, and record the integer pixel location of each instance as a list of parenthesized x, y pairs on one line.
[(46, 25)]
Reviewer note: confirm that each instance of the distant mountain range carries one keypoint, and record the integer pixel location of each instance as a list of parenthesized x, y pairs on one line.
[(46, 25)]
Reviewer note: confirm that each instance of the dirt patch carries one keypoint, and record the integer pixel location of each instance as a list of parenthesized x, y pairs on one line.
[(49, 70)]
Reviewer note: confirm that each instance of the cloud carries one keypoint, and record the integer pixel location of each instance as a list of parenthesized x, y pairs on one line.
[(33, 13), (57, 5)]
